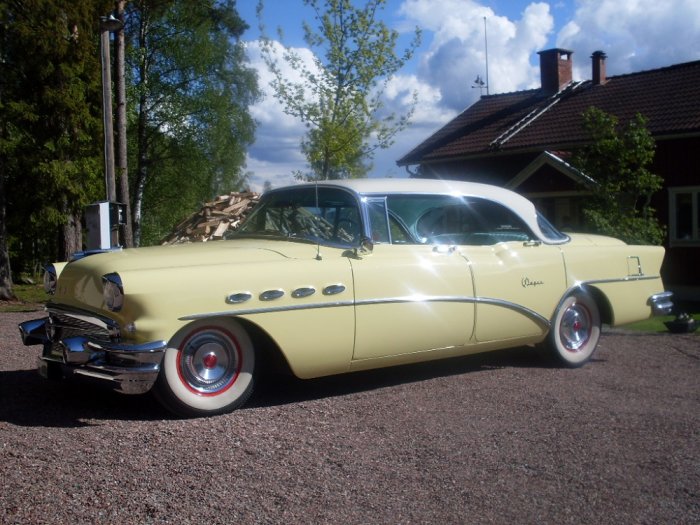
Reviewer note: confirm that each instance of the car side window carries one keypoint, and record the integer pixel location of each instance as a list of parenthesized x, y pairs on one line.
[(385, 226), (475, 222), (314, 214)]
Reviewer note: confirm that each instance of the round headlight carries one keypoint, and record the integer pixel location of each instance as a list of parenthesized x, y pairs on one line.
[(113, 292), (50, 279)]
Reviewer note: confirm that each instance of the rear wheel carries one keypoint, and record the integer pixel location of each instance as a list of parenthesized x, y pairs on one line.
[(208, 368), (575, 330)]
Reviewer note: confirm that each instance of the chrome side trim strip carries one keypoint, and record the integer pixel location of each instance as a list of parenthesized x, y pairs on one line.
[(617, 280), (539, 319), (266, 310)]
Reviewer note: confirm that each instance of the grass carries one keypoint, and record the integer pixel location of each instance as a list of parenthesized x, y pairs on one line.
[(656, 324), (30, 298)]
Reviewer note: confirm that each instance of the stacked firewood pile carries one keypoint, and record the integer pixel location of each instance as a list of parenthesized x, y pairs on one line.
[(224, 214)]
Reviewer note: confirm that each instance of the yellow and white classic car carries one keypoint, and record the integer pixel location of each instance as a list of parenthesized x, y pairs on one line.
[(336, 277)]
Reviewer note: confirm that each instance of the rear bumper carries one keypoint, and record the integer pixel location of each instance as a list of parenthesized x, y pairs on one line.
[(661, 303), (131, 368)]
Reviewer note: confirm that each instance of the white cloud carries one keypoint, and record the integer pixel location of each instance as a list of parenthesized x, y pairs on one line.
[(276, 153), (636, 36), (457, 50)]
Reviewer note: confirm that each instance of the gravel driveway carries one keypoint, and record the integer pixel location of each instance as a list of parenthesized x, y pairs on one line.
[(498, 438)]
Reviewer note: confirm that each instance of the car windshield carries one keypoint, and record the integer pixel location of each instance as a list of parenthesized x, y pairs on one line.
[(315, 214)]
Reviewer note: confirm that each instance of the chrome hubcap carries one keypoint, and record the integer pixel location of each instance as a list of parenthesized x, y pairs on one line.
[(209, 362), (575, 329)]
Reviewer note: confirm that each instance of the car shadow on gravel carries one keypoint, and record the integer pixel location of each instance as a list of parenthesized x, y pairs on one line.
[(281, 390), (28, 400)]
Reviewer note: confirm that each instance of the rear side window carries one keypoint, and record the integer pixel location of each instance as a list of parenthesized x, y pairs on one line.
[(444, 219)]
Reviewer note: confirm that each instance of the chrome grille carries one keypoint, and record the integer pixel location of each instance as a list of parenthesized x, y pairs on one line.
[(64, 325)]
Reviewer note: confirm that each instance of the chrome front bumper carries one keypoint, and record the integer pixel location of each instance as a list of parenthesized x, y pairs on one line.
[(661, 303), (131, 368)]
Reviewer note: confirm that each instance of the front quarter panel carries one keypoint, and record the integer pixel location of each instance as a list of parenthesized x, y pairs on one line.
[(314, 332)]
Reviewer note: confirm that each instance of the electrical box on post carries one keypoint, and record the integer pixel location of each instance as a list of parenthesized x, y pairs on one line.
[(102, 221)]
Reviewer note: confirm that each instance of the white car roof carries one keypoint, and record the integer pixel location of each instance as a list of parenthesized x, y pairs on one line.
[(519, 204)]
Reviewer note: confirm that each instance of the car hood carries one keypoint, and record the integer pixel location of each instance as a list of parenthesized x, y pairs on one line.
[(80, 282), (197, 254)]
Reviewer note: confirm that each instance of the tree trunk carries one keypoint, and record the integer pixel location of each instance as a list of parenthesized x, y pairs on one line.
[(5, 271), (72, 236), (141, 138), (127, 236)]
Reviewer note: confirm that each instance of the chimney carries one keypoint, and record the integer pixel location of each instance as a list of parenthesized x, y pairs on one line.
[(555, 69), (599, 77)]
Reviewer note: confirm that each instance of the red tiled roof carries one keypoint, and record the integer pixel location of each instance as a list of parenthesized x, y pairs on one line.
[(668, 97)]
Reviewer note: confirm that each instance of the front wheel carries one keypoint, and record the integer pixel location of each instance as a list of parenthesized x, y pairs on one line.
[(208, 368), (575, 330)]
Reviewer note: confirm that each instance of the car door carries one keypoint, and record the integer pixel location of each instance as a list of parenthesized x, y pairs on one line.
[(409, 297), (518, 280)]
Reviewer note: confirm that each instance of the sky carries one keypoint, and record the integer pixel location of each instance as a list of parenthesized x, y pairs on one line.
[(636, 35)]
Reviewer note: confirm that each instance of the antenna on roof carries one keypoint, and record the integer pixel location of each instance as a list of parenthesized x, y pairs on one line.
[(478, 82), (486, 50)]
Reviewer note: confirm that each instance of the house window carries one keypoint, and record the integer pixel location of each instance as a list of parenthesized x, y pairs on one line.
[(684, 221)]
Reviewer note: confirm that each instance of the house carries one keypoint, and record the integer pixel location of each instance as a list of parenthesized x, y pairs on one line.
[(522, 141)]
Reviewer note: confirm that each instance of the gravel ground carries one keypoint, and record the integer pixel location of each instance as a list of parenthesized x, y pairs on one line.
[(498, 438)]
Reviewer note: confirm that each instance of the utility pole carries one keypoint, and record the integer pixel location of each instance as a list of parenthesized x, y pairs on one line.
[(108, 24), (120, 88)]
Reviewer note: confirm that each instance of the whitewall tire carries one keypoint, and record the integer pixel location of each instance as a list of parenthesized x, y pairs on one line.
[(575, 330), (209, 368)]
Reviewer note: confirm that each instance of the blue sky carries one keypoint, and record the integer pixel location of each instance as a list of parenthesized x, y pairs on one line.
[(636, 35)]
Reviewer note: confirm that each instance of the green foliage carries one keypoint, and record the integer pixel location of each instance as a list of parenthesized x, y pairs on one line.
[(618, 160), (50, 110), (339, 97), (189, 97)]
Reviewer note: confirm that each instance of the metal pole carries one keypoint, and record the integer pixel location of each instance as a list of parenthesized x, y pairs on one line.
[(486, 48), (105, 28)]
